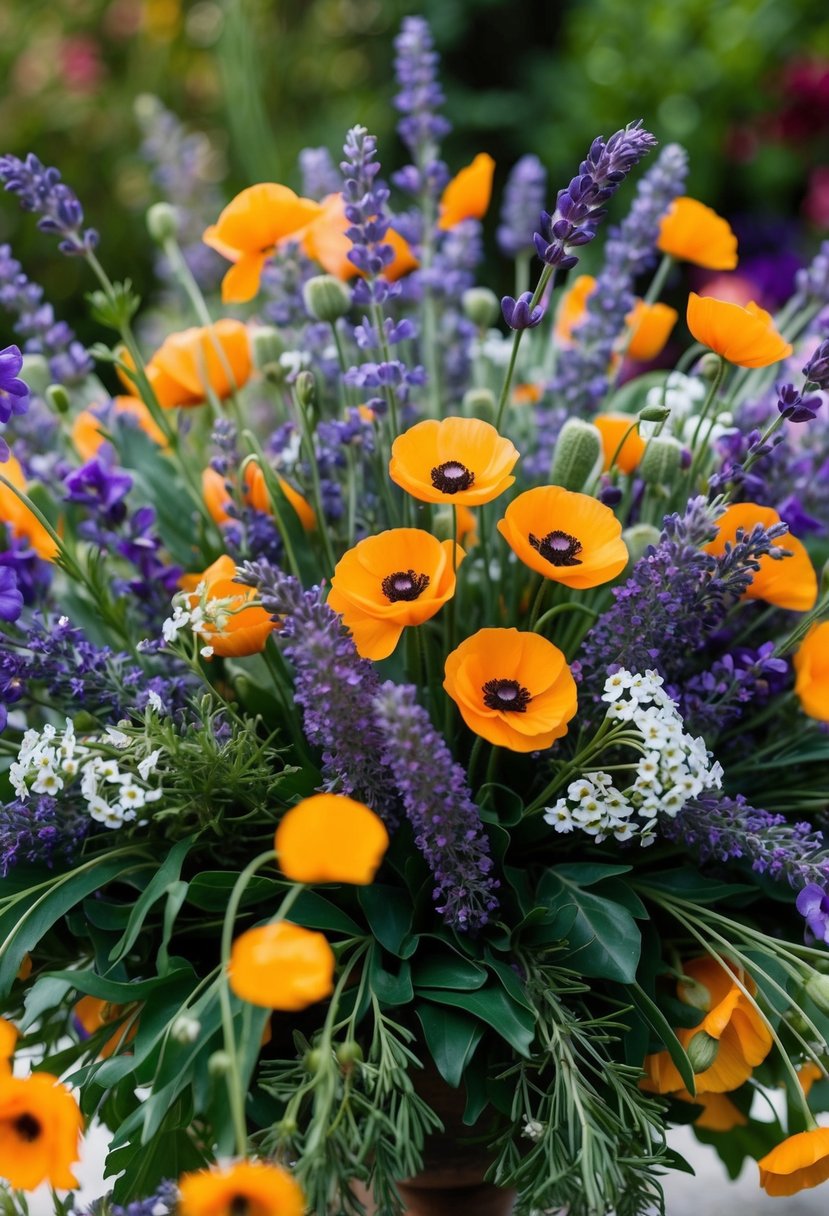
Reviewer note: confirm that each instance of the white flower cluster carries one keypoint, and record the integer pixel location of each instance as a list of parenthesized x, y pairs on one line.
[(672, 766), (114, 790), (204, 619)]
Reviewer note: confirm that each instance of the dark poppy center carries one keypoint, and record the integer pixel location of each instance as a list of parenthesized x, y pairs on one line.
[(507, 695), (452, 476), (27, 1127), (404, 585), (239, 1206), (559, 548)]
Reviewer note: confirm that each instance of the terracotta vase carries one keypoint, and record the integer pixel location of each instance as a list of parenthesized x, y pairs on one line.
[(452, 1180)]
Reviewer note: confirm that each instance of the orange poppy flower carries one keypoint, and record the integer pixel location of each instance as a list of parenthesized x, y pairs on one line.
[(454, 460), (281, 966), (331, 838), (325, 241), (17, 517), (249, 229), (743, 1038), (691, 232), (513, 689), (613, 428), (90, 1013), (800, 1162), (217, 497), (40, 1127), (811, 665), (87, 435), (228, 627), (8, 1042), (467, 196), (189, 365), (745, 336), (650, 326), (571, 538), (252, 1187), (719, 1114), (787, 582), (400, 577), (572, 309), (527, 394)]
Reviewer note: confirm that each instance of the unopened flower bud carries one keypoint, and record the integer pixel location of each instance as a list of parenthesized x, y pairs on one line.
[(162, 222), (639, 539), (349, 1053), (326, 298), (313, 1059), (578, 451), (35, 373), (185, 1029), (654, 413), (479, 403), (662, 460), (267, 346), (219, 1064), (306, 389), (709, 366), (481, 306), (702, 1051), (58, 398), (817, 989)]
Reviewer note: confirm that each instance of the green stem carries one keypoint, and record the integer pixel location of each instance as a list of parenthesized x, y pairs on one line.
[(571, 606)]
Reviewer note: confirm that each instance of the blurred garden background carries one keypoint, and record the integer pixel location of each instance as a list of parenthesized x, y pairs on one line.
[(93, 85)]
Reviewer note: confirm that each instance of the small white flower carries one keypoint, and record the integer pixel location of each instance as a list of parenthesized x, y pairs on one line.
[(154, 701), (148, 764), (616, 685), (206, 652), (117, 737), (559, 816), (99, 809), (533, 1130), (48, 782), (131, 796)]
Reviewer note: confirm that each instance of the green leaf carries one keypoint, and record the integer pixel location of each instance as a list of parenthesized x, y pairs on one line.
[(159, 885), (389, 914), (587, 873), (693, 886), (491, 1005), (618, 890), (171, 1152), (445, 968), (657, 1021), (451, 1039), (603, 938), (210, 890), (25, 922), (389, 987)]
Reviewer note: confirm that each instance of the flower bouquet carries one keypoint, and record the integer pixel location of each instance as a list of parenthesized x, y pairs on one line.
[(414, 703)]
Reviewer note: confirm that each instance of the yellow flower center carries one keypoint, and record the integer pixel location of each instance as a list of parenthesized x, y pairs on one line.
[(506, 695), (452, 476), (559, 548), (404, 585)]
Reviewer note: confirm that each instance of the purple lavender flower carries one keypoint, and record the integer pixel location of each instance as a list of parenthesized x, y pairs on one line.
[(446, 822), (11, 598), (794, 406), (582, 375), (36, 323), (41, 190), (522, 205), (14, 394), (40, 831), (420, 97), (713, 699), (365, 209), (334, 686), (519, 314), (813, 280), (163, 1202), (816, 370), (580, 207), (100, 485), (813, 905), (319, 173)]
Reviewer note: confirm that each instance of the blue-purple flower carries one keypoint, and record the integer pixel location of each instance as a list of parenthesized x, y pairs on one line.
[(41, 190), (11, 598), (14, 394), (816, 370), (520, 314), (795, 407), (813, 905)]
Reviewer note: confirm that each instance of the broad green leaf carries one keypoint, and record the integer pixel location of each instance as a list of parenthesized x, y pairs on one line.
[(587, 873), (210, 890), (389, 987), (604, 940), (171, 1152), (691, 885), (491, 1005), (446, 969), (165, 876), (389, 914), (451, 1039)]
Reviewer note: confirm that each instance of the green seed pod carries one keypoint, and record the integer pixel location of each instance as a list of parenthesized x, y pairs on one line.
[(817, 989), (577, 454), (326, 298), (702, 1051), (267, 347), (661, 461), (639, 538), (58, 398), (313, 1060), (654, 413), (481, 306), (349, 1053), (162, 222), (479, 403)]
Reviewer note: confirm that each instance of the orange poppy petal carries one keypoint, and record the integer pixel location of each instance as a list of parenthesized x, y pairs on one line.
[(241, 282), (331, 838), (468, 193), (281, 966), (801, 1161), (744, 336), (811, 665), (692, 232)]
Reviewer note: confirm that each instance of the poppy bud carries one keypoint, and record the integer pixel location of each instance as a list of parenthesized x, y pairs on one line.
[(702, 1051), (58, 398), (639, 538), (655, 413), (162, 223), (662, 460), (709, 366), (817, 989), (267, 346), (348, 1054), (577, 454), (326, 298), (218, 1064), (313, 1060), (480, 403), (305, 389), (481, 306)]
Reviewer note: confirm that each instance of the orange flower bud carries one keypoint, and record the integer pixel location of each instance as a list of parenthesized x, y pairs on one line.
[(331, 838), (650, 326), (281, 966)]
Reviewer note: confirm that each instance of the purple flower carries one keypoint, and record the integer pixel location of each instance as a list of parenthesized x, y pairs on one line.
[(41, 831), (446, 822), (319, 173), (98, 484), (419, 98), (794, 406), (365, 209), (36, 323), (813, 905), (518, 314), (816, 370), (522, 205), (41, 190), (14, 394), (813, 280), (580, 207), (11, 598)]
